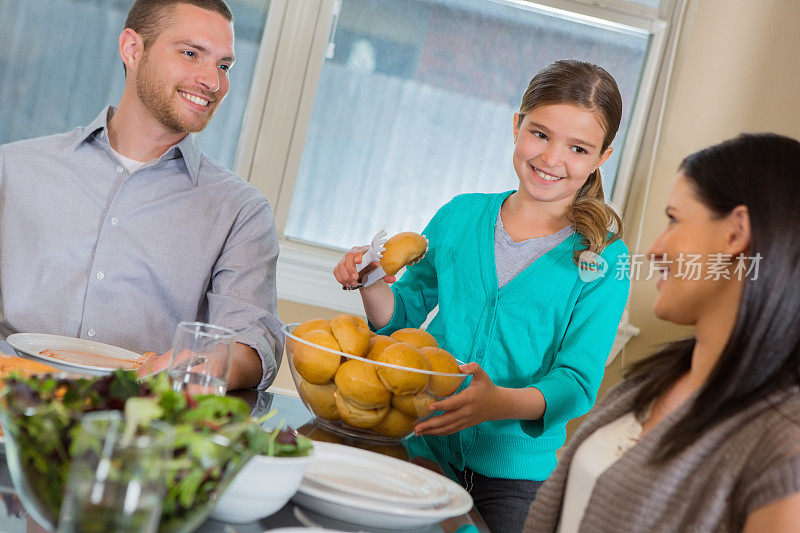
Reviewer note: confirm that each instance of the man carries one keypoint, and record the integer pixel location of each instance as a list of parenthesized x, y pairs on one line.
[(117, 231)]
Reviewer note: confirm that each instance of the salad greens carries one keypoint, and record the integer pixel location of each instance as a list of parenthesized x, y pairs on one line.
[(214, 436), (286, 442)]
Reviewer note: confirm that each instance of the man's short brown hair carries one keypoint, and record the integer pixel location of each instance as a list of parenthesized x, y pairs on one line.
[(148, 17)]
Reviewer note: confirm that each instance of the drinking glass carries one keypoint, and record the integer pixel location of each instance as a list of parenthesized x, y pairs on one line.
[(116, 477), (201, 358)]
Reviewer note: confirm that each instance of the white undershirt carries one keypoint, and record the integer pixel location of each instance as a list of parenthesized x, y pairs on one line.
[(593, 457), (131, 165)]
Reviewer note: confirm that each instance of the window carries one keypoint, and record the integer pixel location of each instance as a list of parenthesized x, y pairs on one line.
[(351, 115), (377, 112), (416, 103), (59, 65)]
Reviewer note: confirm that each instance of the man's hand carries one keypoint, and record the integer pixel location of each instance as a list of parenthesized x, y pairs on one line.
[(156, 363), (245, 366), (479, 402)]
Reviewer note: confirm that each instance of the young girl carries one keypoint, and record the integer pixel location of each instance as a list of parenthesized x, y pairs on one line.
[(503, 269), (705, 434)]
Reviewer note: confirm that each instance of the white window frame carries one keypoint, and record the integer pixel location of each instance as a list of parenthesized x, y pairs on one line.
[(282, 99)]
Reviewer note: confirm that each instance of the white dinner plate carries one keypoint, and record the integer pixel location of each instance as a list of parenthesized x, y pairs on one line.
[(303, 530), (385, 506), (33, 343), (369, 475)]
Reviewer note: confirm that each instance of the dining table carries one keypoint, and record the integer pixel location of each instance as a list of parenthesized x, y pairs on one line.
[(291, 411)]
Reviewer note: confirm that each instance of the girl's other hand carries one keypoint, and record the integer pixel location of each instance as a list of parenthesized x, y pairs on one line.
[(479, 402), (345, 271)]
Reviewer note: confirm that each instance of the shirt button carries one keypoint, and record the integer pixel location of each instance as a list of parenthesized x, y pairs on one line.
[(91, 332), (100, 275), (479, 354), (114, 221), (119, 169)]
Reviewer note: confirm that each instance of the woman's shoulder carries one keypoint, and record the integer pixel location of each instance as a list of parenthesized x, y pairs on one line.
[(766, 434), (779, 420), (625, 390), (771, 433), (616, 402)]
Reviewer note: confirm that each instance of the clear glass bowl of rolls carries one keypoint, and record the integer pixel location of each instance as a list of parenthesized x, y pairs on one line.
[(367, 386)]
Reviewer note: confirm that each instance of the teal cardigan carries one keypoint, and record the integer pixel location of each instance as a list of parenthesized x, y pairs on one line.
[(546, 329)]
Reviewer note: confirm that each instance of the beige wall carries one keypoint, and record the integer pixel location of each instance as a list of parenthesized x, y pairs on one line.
[(737, 69)]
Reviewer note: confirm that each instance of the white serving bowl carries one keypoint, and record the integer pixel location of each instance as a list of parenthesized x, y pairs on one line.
[(263, 486)]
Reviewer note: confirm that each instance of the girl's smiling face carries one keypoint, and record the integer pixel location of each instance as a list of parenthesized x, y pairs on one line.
[(557, 147)]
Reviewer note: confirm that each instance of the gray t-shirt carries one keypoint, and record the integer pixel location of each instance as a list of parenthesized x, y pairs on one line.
[(511, 257)]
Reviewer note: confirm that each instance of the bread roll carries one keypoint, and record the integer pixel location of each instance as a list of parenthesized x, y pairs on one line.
[(415, 337), (413, 405), (356, 416), (310, 325), (305, 327), (358, 382), (441, 361), (352, 334), (403, 381), (395, 424), (315, 365), (320, 399), (402, 249), (377, 345)]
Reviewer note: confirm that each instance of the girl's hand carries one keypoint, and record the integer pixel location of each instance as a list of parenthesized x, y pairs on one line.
[(345, 271), (479, 402)]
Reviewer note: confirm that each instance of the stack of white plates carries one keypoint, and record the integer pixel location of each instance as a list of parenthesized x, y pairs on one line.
[(370, 489)]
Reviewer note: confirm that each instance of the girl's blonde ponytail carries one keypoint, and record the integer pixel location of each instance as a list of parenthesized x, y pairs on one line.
[(592, 218)]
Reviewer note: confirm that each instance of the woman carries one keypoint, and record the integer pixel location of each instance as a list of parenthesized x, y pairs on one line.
[(705, 434)]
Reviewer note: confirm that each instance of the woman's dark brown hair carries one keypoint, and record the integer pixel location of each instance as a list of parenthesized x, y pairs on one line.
[(761, 172), (590, 87)]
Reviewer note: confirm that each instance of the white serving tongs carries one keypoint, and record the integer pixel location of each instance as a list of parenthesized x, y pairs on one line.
[(373, 253)]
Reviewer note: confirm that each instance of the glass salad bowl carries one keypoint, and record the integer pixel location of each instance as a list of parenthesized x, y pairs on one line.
[(40, 416), (379, 395)]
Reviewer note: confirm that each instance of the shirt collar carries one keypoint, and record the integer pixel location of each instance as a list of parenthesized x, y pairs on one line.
[(188, 148), (100, 122)]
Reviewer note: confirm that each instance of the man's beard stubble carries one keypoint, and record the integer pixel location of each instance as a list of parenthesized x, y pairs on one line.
[(159, 100)]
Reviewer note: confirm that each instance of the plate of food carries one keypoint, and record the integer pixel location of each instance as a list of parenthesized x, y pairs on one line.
[(77, 353)]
